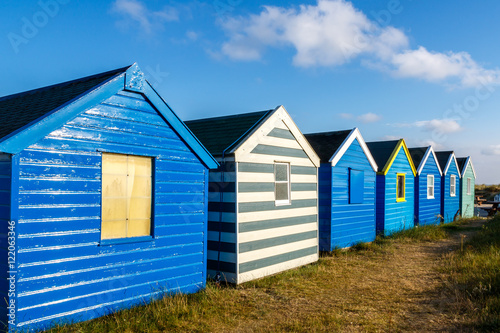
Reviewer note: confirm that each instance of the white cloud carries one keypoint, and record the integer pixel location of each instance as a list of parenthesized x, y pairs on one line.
[(346, 115), (135, 11), (333, 32), (434, 66), (191, 35), (389, 138), (444, 126), (435, 145), (369, 118), (327, 34), (491, 150)]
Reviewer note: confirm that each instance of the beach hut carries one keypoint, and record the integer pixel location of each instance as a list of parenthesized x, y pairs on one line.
[(263, 200), (427, 186), (450, 185), (395, 205), (467, 186), (103, 200), (346, 189)]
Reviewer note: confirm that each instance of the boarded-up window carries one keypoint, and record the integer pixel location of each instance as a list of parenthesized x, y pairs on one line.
[(126, 196), (469, 186), (400, 187), (453, 185), (282, 183), (356, 186), (430, 187)]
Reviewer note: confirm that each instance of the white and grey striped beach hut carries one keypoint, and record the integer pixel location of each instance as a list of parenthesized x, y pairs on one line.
[(263, 200)]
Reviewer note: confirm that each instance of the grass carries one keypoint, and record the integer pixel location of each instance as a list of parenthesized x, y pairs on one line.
[(397, 283), (474, 277)]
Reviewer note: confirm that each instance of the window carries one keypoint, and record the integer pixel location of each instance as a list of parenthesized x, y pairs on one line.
[(282, 183), (126, 196), (453, 185), (469, 186), (430, 187), (356, 186), (400, 187)]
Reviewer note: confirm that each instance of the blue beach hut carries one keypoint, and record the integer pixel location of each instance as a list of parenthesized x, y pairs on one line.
[(347, 176), (395, 205), (450, 186), (427, 186), (106, 192)]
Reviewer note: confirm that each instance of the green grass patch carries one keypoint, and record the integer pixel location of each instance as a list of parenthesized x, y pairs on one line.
[(428, 233), (474, 276)]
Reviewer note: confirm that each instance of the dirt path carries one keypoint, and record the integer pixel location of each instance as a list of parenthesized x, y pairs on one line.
[(397, 289)]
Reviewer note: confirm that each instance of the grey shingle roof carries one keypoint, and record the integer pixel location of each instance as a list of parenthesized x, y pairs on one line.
[(381, 151), (461, 163), (326, 144), (417, 154), (19, 110), (221, 133), (442, 157)]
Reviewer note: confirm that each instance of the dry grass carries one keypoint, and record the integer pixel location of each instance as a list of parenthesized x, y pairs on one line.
[(393, 284)]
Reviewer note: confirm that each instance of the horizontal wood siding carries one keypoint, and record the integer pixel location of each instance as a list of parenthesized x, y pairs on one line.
[(428, 211), (380, 203), (65, 273), (399, 215), (271, 237), (222, 222), (5, 186), (352, 223), (450, 205), (325, 206), (467, 200)]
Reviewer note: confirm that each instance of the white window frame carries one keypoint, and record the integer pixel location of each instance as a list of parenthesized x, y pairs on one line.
[(288, 182), (469, 186), (430, 186), (453, 186)]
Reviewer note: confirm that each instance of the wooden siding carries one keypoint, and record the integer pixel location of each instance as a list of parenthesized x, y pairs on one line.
[(393, 216), (5, 190), (450, 205), (274, 238), (348, 224), (222, 222), (467, 200), (65, 272), (427, 211)]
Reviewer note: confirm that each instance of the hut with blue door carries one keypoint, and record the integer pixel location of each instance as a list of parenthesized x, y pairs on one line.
[(263, 200), (395, 205), (427, 186), (106, 190), (467, 186), (450, 186), (347, 176)]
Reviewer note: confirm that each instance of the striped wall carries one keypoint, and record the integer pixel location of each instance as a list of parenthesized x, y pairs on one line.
[(222, 221), (467, 200), (450, 204), (395, 216), (65, 270), (352, 223), (5, 189), (428, 211), (275, 238)]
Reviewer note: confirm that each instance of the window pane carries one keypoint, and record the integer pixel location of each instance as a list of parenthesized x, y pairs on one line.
[(139, 227), (126, 196), (281, 172), (401, 187), (281, 191), (113, 229)]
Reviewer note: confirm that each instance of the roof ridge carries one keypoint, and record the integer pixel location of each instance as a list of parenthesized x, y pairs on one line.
[(40, 89), (228, 116)]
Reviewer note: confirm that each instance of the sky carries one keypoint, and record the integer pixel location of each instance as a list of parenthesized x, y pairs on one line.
[(427, 71)]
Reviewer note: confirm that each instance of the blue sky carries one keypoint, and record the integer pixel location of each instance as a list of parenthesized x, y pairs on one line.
[(424, 70)]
